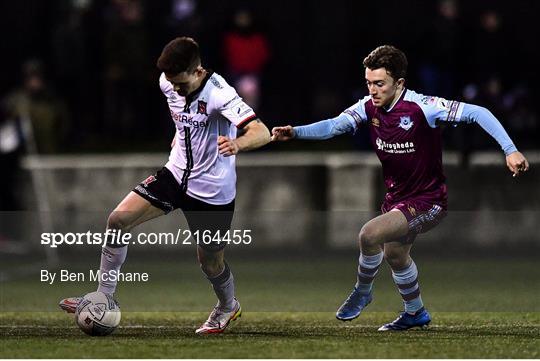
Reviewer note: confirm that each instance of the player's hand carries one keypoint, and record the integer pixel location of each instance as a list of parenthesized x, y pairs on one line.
[(227, 146), (517, 163), (281, 134), (173, 141)]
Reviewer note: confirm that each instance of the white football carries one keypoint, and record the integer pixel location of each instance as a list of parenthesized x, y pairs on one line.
[(98, 314)]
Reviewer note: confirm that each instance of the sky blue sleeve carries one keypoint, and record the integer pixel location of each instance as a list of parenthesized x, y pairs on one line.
[(439, 110), (477, 114), (326, 129)]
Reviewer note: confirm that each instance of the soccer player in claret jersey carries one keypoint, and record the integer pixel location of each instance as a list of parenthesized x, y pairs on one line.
[(404, 131), (199, 177)]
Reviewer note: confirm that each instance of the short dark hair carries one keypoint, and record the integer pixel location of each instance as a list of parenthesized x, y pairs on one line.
[(390, 58), (178, 56)]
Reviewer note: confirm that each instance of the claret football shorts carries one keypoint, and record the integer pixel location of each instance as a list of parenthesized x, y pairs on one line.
[(422, 215)]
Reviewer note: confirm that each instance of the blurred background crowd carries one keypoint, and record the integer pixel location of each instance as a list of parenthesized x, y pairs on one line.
[(82, 72), (79, 77)]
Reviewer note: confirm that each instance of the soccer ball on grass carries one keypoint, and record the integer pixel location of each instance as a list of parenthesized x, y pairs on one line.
[(98, 314)]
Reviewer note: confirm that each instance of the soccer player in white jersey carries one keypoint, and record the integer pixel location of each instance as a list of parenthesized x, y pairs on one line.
[(404, 131), (200, 176)]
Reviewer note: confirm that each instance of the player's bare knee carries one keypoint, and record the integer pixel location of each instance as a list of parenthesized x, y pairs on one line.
[(368, 236), (117, 220)]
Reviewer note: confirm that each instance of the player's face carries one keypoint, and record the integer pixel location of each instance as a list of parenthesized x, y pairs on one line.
[(382, 87), (185, 83)]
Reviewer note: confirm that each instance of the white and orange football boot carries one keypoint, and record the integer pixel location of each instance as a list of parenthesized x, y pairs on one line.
[(218, 320)]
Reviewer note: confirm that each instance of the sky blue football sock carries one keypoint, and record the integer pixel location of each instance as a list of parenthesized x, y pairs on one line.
[(368, 267), (407, 282)]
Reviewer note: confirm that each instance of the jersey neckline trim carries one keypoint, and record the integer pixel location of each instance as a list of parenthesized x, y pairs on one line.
[(196, 92), (400, 98)]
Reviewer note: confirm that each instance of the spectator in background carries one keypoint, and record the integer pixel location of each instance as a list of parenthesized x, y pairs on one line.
[(443, 39), (246, 52), (74, 67), (183, 18), (522, 119), (490, 95), (43, 115), (489, 48), (488, 64), (485, 87), (11, 147), (128, 74)]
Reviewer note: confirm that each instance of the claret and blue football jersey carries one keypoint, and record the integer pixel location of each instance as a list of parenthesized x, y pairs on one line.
[(407, 141)]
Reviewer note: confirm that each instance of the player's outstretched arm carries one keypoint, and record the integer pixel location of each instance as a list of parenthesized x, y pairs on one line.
[(516, 162), (325, 129), (255, 136)]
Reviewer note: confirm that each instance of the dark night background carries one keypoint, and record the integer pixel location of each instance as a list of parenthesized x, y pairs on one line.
[(98, 61)]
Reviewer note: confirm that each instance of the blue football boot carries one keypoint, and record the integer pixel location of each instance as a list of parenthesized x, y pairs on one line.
[(405, 321), (353, 305)]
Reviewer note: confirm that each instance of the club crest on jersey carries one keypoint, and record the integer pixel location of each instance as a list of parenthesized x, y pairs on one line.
[(149, 180), (375, 122), (201, 107), (405, 122)]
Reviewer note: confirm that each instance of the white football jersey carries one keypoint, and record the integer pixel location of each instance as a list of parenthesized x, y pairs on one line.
[(212, 110)]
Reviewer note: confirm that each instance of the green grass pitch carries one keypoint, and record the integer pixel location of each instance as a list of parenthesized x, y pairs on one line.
[(481, 309)]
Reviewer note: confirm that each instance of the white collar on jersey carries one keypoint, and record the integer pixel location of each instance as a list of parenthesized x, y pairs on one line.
[(395, 101)]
